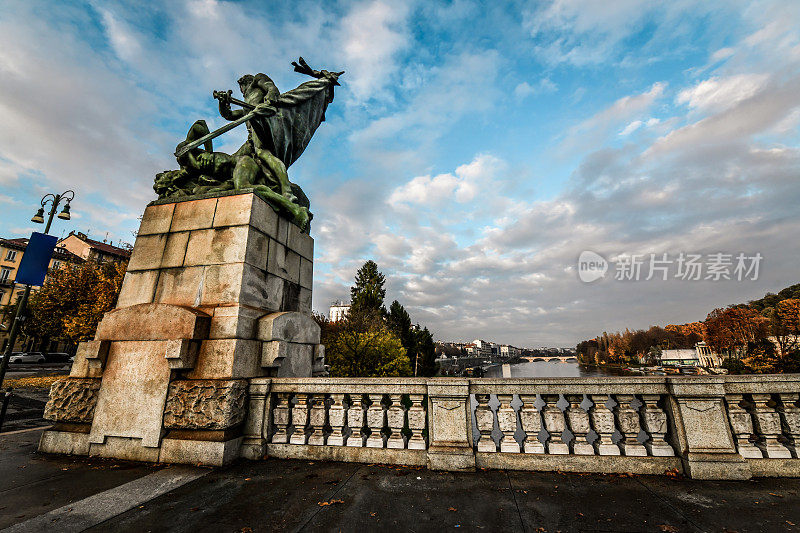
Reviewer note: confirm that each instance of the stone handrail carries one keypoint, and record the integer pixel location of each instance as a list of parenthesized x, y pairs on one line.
[(722, 427)]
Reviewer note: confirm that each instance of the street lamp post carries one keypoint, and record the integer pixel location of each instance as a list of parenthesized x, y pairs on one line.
[(19, 315)]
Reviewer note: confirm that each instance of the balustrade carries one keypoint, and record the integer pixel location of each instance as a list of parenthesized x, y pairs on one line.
[(630, 422)]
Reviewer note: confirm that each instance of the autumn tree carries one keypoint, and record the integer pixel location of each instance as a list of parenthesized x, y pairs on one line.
[(376, 352), (731, 330), (73, 299)]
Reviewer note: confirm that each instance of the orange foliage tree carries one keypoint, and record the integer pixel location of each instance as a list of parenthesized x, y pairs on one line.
[(731, 330), (73, 299)]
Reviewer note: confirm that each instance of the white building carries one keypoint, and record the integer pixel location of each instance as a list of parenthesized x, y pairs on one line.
[(338, 311), (509, 351), (701, 355)]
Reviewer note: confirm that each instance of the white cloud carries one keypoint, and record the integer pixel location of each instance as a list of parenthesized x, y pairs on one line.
[(525, 89), (462, 187), (630, 128), (717, 94), (374, 33)]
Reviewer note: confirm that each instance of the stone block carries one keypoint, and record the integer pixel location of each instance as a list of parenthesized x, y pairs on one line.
[(205, 404), (126, 448), (234, 210), (227, 359), (138, 288), (276, 260), (282, 235), (264, 218), (298, 361), (180, 286), (261, 290), (290, 327), (153, 322), (304, 301), (131, 399), (219, 246), (194, 214), (200, 452), (257, 251), (156, 219), (234, 322), (292, 267), (65, 442), (175, 249), (72, 400), (222, 284), (300, 242), (306, 273), (273, 353), (147, 252), (181, 353)]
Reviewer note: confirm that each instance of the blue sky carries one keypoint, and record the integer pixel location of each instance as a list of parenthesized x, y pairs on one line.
[(474, 150)]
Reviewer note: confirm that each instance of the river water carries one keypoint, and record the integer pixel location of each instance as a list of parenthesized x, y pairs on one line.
[(548, 369)]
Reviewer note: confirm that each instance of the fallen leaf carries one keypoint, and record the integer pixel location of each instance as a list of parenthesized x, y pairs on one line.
[(247, 479), (332, 502), (452, 509), (776, 495), (193, 509), (668, 528), (373, 514)]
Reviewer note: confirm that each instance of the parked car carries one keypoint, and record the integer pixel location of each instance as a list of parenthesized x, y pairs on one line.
[(30, 357), (56, 357)]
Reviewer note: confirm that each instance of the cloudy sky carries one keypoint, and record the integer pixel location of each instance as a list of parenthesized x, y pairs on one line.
[(474, 150)]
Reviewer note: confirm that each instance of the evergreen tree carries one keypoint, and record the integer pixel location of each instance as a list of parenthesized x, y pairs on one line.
[(399, 322), (368, 293), (425, 356)]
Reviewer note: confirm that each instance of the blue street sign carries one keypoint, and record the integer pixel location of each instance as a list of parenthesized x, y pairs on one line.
[(36, 259)]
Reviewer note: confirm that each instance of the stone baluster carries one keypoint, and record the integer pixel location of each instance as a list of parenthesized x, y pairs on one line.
[(336, 416), (395, 419), (629, 426), (507, 420), (555, 424), (299, 419), (768, 426), (355, 421), (655, 424), (375, 421), (603, 424), (484, 417), (416, 422), (742, 426), (531, 423), (280, 418), (316, 419), (790, 412), (579, 425)]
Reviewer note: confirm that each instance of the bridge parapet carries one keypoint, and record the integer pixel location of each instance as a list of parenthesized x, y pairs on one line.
[(708, 427)]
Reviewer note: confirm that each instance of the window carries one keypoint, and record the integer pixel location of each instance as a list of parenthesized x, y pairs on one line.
[(11, 255), (5, 272), (56, 264)]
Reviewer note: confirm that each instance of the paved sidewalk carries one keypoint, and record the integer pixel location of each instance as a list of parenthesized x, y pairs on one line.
[(283, 495)]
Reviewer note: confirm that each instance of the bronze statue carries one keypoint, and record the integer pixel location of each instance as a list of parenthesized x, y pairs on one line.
[(280, 126)]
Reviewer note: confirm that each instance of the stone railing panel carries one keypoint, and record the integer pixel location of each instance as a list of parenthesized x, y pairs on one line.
[(709, 427)]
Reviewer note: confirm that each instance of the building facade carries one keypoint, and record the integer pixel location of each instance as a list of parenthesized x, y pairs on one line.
[(338, 311), (11, 253)]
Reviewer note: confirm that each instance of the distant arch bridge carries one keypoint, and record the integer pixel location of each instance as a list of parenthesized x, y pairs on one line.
[(553, 359)]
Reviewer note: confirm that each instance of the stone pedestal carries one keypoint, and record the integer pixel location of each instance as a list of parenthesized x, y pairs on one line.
[(704, 436), (450, 425), (217, 291)]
